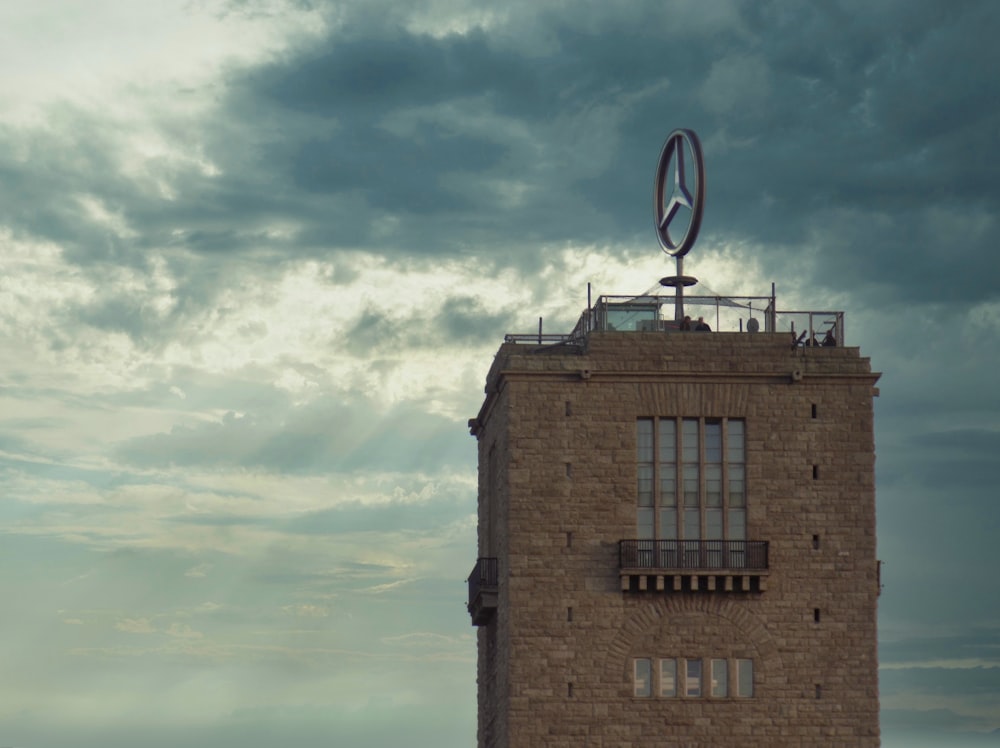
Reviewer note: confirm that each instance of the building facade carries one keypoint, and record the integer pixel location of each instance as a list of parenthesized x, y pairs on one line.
[(676, 543)]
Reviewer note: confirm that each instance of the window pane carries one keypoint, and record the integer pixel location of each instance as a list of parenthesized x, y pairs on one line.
[(690, 485), (692, 524), (737, 489), (690, 445), (713, 441), (668, 485), (720, 678), (692, 679), (713, 485), (744, 678), (668, 677), (645, 473), (736, 447), (645, 439), (668, 440), (737, 524), (644, 523), (713, 524), (641, 680), (668, 524)]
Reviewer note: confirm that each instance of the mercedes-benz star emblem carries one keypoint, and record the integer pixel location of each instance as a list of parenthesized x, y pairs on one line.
[(676, 189)]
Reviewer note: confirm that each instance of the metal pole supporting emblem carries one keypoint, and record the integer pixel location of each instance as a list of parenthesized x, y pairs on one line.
[(678, 203)]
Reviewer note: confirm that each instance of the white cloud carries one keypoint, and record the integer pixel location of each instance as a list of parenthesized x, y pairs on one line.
[(136, 626), (94, 52)]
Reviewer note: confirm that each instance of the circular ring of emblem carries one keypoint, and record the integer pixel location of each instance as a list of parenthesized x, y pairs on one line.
[(675, 189)]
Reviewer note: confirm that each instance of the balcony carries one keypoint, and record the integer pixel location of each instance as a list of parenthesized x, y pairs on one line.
[(483, 591), (693, 565)]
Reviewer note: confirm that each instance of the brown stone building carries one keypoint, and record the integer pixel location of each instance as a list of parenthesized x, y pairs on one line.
[(676, 538)]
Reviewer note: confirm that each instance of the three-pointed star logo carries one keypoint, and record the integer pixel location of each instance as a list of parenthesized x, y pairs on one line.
[(686, 190), (680, 197)]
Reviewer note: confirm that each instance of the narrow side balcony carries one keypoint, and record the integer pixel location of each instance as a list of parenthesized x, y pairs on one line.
[(693, 565), (483, 591)]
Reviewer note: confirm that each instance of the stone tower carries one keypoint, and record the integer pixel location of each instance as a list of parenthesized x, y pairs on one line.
[(676, 536)]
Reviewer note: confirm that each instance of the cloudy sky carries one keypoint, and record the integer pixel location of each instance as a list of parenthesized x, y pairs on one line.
[(256, 257)]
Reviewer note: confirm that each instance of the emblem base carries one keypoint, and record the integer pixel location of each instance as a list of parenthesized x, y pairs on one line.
[(675, 281)]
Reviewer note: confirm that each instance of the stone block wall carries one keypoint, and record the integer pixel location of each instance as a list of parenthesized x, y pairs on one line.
[(558, 475)]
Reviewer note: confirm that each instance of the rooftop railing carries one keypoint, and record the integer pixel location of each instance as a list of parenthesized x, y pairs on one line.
[(648, 313)]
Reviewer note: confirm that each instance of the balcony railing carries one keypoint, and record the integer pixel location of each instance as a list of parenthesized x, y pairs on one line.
[(483, 581), (697, 555)]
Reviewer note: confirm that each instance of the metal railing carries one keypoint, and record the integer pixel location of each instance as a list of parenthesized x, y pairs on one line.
[(819, 329), (649, 313), (484, 576), (737, 555), (657, 313)]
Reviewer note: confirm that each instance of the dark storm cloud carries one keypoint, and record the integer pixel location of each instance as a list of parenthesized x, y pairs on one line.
[(399, 181), (960, 459), (937, 519), (460, 320), (74, 156), (857, 133), (863, 143), (397, 69)]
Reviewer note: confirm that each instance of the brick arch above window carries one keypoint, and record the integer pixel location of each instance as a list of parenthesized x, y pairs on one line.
[(645, 630)]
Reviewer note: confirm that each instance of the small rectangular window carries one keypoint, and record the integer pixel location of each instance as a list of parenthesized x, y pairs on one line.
[(642, 677), (668, 678), (744, 678), (720, 678), (692, 678)]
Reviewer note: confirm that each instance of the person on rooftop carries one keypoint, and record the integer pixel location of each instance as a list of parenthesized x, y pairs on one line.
[(702, 325)]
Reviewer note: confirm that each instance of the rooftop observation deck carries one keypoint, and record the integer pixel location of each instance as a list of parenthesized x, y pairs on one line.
[(650, 313)]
